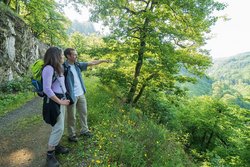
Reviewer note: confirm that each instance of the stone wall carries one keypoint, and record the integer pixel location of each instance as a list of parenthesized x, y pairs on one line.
[(18, 47)]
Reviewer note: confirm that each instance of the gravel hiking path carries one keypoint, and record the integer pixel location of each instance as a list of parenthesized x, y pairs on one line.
[(24, 145)]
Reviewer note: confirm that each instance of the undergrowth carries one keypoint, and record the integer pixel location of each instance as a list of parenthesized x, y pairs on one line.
[(123, 136), (14, 94), (12, 101)]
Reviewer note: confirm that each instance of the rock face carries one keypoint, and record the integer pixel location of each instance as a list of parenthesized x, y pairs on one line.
[(18, 47)]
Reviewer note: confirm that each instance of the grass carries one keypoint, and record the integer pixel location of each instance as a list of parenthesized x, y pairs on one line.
[(25, 123), (122, 136), (10, 102)]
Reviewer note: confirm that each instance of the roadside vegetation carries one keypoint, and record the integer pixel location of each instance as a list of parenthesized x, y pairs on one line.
[(123, 136), (14, 94), (165, 132)]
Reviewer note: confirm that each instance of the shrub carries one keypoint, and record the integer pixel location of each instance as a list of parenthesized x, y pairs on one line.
[(16, 85)]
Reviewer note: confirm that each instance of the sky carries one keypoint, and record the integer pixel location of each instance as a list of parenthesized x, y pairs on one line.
[(229, 38)]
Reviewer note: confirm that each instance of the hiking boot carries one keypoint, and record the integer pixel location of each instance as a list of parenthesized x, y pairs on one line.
[(51, 160), (61, 150), (87, 134), (72, 139)]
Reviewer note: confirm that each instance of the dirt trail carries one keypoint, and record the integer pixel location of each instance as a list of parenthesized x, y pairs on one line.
[(23, 146)]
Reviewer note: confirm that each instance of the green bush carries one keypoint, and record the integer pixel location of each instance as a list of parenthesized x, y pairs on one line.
[(14, 94), (16, 85), (144, 143), (215, 130), (10, 102)]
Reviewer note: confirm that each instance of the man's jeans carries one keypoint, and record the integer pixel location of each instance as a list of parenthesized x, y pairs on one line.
[(80, 106)]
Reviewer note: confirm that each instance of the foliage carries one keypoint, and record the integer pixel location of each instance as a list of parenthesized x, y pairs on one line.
[(214, 132), (230, 81), (45, 19), (214, 129), (232, 94), (122, 136), (6, 8), (234, 70), (203, 86), (83, 43), (14, 93), (16, 85), (11, 101), (151, 40), (200, 85)]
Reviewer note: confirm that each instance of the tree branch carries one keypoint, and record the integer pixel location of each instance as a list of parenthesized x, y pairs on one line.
[(223, 141), (143, 87)]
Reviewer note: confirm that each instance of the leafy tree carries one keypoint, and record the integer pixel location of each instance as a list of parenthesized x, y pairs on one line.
[(152, 39), (13, 4), (46, 21), (82, 43), (213, 128), (7, 2), (44, 17), (77, 41)]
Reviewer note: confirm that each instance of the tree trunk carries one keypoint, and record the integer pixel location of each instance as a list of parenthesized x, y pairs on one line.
[(139, 94), (139, 63), (7, 2), (141, 51), (17, 7), (209, 140), (222, 140), (203, 142), (143, 87)]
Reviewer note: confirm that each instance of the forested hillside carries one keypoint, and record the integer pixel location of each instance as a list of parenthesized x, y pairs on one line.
[(228, 79), (232, 79), (235, 69), (202, 86)]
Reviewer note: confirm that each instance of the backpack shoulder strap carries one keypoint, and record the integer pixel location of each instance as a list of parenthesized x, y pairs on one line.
[(66, 69), (54, 77)]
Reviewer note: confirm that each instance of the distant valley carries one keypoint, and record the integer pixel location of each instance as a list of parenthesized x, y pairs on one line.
[(227, 79)]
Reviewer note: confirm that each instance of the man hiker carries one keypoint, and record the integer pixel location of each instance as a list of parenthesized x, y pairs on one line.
[(76, 89)]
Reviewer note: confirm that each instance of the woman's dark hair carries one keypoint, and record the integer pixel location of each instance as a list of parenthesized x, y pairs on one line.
[(53, 57)]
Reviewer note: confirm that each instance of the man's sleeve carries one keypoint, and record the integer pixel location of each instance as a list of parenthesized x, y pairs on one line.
[(83, 66)]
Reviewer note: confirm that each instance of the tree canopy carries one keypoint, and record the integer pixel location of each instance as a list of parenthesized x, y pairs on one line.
[(151, 40), (45, 18)]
